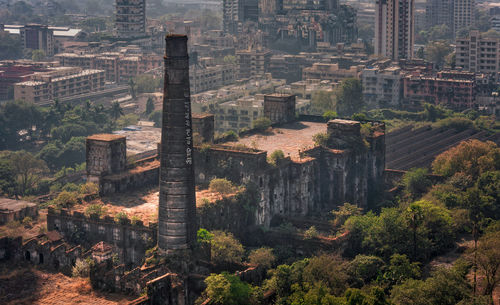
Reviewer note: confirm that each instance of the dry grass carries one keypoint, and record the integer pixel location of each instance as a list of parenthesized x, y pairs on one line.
[(32, 286), (14, 229)]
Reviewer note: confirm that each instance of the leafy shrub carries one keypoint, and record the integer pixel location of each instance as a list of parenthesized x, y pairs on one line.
[(231, 136), (66, 199), (261, 124), (95, 210), (82, 268), (70, 187), (276, 157), (329, 115), (221, 185), (263, 257), (134, 219), (204, 236), (311, 233), (320, 139), (27, 221), (89, 188), (416, 181), (121, 217), (460, 124)]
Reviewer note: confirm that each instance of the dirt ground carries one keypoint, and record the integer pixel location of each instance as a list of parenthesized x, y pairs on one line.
[(142, 203), (32, 286)]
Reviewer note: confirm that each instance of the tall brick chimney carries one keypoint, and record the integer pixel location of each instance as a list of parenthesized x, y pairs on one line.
[(177, 207)]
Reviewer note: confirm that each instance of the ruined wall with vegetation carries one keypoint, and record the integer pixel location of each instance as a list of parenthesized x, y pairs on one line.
[(130, 240)]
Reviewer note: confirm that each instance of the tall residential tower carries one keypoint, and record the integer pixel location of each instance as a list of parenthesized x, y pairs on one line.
[(130, 18), (394, 28)]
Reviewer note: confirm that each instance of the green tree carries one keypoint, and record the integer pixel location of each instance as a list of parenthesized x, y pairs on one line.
[(414, 216), (263, 257), (365, 268), (471, 157), (7, 184), (38, 55), (488, 261), (344, 212), (323, 101), (400, 269), (27, 170), (444, 287), (436, 51), (227, 289), (225, 249), (10, 48), (349, 97), (416, 181)]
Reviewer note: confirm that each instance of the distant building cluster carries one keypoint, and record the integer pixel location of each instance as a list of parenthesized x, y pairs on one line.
[(58, 83)]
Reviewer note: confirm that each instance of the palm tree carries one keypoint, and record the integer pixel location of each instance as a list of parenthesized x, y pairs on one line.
[(131, 84)]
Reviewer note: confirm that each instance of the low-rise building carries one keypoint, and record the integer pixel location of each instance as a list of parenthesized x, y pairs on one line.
[(118, 67), (206, 75), (12, 210), (382, 87), (452, 89), (59, 83), (331, 72)]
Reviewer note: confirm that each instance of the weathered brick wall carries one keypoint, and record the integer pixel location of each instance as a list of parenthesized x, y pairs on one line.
[(132, 241)]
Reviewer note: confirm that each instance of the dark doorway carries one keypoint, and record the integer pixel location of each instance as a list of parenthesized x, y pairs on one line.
[(27, 256), (40, 258), (56, 264)]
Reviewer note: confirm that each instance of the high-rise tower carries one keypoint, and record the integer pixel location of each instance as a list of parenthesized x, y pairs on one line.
[(177, 207), (130, 18), (394, 28)]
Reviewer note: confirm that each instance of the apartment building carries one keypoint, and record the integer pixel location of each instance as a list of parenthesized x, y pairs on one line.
[(59, 83), (332, 72), (477, 54), (439, 12), (130, 18), (239, 114), (118, 67), (382, 87), (394, 28), (463, 14), (252, 62), (14, 71), (455, 90), (206, 75), (38, 37)]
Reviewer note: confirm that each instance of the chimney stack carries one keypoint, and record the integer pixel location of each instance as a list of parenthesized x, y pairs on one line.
[(177, 207)]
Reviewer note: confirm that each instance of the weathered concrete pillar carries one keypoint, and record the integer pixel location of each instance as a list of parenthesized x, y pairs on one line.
[(177, 207)]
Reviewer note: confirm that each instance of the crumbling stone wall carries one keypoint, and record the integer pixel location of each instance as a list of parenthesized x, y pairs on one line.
[(132, 241), (144, 174), (42, 251), (204, 126)]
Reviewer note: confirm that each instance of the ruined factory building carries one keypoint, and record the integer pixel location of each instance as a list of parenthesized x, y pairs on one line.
[(16, 210)]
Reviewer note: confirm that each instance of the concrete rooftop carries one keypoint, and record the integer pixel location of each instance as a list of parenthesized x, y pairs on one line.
[(7, 204)]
